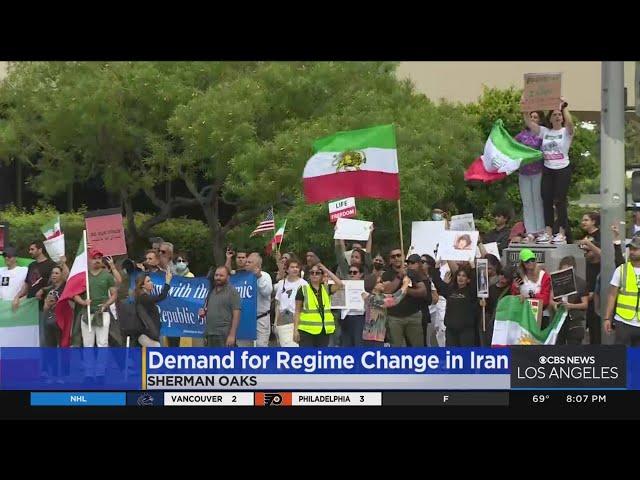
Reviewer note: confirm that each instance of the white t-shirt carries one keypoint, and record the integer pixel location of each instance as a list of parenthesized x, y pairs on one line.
[(11, 281), (555, 147), (287, 299), (616, 281)]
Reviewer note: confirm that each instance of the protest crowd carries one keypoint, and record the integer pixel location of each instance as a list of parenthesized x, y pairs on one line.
[(367, 294)]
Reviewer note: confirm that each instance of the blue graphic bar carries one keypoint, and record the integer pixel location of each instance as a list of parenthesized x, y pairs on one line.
[(78, 399)]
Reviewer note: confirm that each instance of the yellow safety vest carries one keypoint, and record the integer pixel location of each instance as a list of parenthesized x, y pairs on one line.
[(628, 294), (310, 319)]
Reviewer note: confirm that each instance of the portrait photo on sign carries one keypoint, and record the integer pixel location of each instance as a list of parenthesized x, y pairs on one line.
[(463, 242)]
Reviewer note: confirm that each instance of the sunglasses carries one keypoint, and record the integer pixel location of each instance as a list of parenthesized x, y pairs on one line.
[(411, 263), (354, 272), (180, 260), (531, 260), (315, 273)]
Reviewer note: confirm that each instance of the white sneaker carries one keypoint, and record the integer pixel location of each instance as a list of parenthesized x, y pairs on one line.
[(559, 239), (544, 238)]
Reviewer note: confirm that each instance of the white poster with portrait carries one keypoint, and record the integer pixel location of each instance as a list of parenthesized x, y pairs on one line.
[(458, 246)]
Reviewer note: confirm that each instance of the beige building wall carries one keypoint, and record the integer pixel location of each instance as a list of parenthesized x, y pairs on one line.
[(463, 81)]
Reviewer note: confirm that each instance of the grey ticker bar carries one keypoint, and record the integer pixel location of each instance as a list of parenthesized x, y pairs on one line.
[(487, 399)]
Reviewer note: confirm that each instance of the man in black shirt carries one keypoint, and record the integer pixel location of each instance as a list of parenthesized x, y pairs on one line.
[(38, 274), (590, 245), (405, 319), (500, 234)]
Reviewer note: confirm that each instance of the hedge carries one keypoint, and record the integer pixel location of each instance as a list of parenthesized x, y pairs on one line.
[(185, 234)]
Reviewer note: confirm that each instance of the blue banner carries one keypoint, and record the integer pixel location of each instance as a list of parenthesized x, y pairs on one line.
[(179, 311), (246, 283)]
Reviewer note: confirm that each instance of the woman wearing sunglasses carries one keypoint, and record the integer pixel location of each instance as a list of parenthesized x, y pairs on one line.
[(313, 321), (352, 323), (532, 282)]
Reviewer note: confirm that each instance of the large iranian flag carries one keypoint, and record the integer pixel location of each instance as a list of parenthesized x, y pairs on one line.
[(19, 328), (502, 156), (515, 324), (76, 285), (356, 163)]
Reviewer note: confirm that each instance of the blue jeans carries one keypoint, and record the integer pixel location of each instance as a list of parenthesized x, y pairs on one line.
[(351, 334)]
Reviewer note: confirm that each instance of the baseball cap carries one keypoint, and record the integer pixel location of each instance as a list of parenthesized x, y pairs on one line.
[(94, 253), (634, 243), (10, 252), (414, 258), (526, 255)]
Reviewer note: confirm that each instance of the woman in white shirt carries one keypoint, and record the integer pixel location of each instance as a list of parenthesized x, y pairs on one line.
[(556, 174)]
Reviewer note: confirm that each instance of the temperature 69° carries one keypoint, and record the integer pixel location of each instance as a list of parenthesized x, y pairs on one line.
[(540, 398)]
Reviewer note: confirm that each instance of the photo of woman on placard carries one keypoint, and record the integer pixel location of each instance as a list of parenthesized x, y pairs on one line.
[(462, 242)]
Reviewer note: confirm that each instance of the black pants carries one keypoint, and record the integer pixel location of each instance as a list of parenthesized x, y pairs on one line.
[(174, 341), (626, 334), (351, 332), (319, 340), (464, 337), (593, 324), (572, 331), (554, 189)]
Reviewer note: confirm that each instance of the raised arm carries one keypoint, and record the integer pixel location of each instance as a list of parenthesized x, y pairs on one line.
[(568, 120), (337, 283)]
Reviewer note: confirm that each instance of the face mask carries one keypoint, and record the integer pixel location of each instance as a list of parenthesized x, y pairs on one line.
[(436, 217), (181, 266)]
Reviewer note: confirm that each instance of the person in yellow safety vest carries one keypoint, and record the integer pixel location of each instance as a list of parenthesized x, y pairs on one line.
[(624, 298), (313, 321)]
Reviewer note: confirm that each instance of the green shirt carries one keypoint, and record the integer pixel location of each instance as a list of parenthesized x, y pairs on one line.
[(99, 286)]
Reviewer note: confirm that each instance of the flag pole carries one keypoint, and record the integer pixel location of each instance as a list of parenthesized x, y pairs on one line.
[(86, 277), (400, 224)]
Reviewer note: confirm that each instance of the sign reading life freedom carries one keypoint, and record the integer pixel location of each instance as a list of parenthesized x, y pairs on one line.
[(105, 231), (345, 208), (542, 91)]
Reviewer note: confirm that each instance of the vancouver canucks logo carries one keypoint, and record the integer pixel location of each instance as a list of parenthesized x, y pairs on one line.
[(349, 161)]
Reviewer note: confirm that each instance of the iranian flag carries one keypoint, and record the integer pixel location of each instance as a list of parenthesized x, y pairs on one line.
[(502, 156), (76, 284), (19, 328), (357, 163), (277, 238), (52, 228), (515, 324)]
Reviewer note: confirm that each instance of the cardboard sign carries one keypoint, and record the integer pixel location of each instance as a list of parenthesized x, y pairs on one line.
[(482, 277), (105, 231), (541, 92), (347, 229), (345, 208), (425, 237), (563, 283), (464, 222)]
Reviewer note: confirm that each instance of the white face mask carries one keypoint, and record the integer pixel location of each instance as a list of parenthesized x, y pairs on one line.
[(436, 217), (181, 266)]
